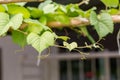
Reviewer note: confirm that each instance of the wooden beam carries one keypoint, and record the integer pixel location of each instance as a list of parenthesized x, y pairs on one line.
[(15, 1), (79, 22)]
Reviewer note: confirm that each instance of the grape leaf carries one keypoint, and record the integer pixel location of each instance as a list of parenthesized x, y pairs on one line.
[(102, 23), (31, 21), (19, 38), (16, 21), (15, 9), (113, 11), (111, 3), (46, 2), (34, 28), (35, 12), (43, 20), (6, 23), (41, 42), (50, 8), (4, 19), (2, 9), (72, 10), (62, 18), (70, 46)]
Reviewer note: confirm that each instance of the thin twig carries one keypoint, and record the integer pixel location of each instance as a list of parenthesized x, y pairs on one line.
[(22, 32)]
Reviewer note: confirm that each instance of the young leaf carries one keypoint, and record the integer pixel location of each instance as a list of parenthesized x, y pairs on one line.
[(41, 42), (19, 38), (111, 3), (70, 46), (103, 24), (4, 19), (65, 38)]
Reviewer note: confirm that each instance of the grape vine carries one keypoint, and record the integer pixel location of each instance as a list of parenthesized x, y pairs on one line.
[(32, 25)]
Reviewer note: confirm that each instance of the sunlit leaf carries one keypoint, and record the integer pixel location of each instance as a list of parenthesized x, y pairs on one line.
[(4, 19), (16, 21), (42, 42), (46, 2)]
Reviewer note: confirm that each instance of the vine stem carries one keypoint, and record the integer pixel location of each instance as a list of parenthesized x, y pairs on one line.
[(22, 32), (84, 2)]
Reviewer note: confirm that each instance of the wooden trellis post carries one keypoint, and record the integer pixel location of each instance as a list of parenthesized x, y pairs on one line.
[(12, 1)]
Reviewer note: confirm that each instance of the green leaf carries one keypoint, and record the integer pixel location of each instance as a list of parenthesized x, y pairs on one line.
[(15, 9), (47, 7), (93, 18), (19, 38), (50, 8), (70, 46), (113, 11), (62, 18), (111, 3), (46, 2), (102, 23), (35, 12), (36, 22), (65, 38), (16, 21), (4, 19), (43, 20), (2, 9), (72, 10), (34, 28), (6, 23), (42, 42)]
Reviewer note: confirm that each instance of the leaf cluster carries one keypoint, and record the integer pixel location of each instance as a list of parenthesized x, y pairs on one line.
[(28, 25)]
